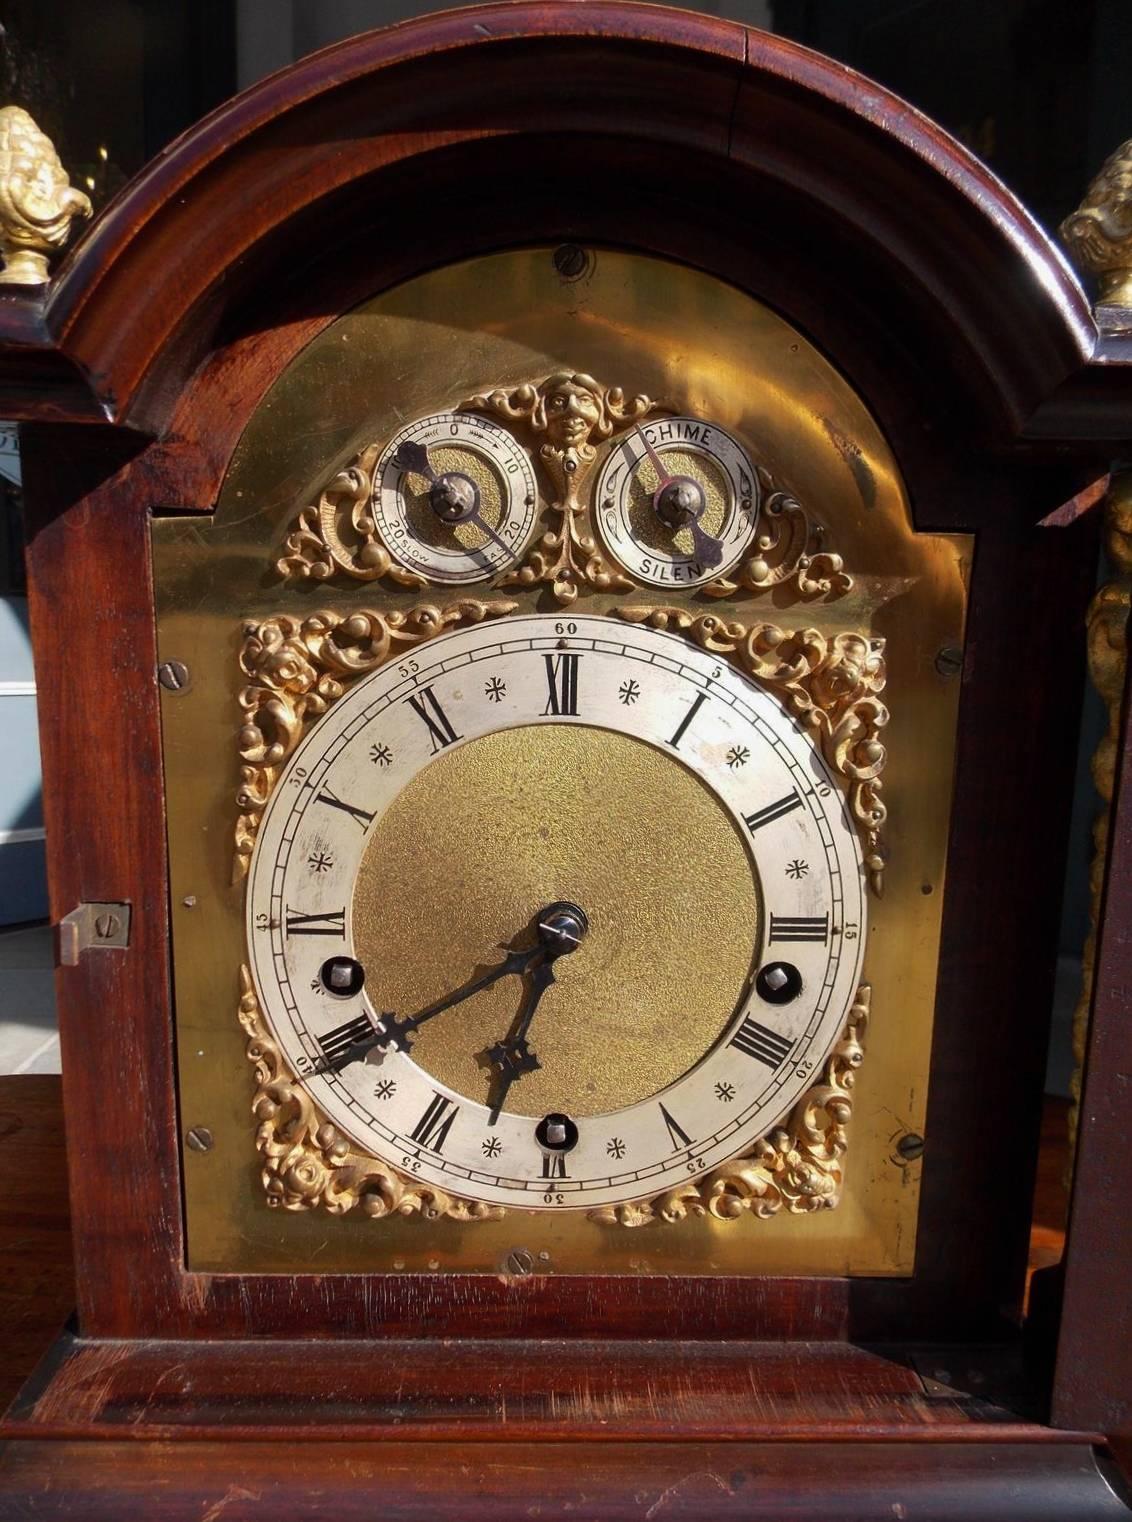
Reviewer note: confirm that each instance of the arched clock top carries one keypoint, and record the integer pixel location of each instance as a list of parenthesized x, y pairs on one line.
[(217, 229)]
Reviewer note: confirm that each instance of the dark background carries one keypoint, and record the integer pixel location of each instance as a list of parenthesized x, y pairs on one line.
[(1038, 88)]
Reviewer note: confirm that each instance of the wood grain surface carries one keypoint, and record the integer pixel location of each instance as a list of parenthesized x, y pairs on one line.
[(445, 1389), (37, 1273), (698, 1482)]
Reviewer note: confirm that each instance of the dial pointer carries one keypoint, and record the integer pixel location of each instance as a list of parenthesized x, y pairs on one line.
[(662, 478), (414, 457), (679, 502), (482, 524), (454, 497), (562, 927), (709, 551)]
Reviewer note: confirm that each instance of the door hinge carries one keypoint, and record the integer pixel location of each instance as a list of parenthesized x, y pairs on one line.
[(90, 927)]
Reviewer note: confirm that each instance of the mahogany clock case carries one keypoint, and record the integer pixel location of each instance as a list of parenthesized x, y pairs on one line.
[(901, 259)]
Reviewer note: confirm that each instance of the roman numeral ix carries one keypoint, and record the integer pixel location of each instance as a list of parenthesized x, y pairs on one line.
[(755, 1040), (426, 706), (331, 923)]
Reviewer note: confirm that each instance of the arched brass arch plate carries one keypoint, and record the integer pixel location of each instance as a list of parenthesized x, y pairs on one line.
[(652, 328)]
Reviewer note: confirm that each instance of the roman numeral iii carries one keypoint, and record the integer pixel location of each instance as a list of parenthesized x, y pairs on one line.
[(765, 1045), (426, 705), (787, 927), (562, 684)]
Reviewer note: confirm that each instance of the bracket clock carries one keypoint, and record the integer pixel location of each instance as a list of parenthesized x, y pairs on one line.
[(559, 546)]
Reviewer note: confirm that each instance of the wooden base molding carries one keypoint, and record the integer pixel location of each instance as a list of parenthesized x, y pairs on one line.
[(498, 1389), (695, 1481)]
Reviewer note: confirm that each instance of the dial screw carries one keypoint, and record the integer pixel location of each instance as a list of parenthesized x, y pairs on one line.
[(519, 1261), (778, 982), (107, 925), (556, 1133), (199, 1139), (173, 675), (342, 976), (570, 261), (949, 661), (910, 1147)]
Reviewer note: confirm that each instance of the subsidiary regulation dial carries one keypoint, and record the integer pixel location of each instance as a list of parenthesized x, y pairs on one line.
[(455, 498), (677, 501)]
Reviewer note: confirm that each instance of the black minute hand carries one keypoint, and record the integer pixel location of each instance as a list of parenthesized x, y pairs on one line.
[(399, 1033)]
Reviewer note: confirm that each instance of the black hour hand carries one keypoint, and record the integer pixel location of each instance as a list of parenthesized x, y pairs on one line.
[(512, 1058)]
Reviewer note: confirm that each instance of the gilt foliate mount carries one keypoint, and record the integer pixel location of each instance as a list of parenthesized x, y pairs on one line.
[(796, 1169), (563, 420), (306, 1163), (296, 667), (830, 683)]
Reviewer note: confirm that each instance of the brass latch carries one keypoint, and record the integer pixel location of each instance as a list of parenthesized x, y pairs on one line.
[(92, 926)]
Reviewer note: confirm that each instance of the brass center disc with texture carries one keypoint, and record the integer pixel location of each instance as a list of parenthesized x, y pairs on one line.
[(485, 837)]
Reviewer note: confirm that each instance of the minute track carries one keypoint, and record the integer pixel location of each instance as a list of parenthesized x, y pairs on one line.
[(672, 677)]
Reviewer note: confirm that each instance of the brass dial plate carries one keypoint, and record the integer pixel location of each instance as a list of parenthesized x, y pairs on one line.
[(658, 330), (686, 921)]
